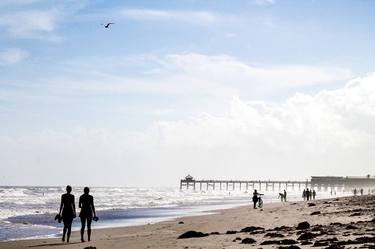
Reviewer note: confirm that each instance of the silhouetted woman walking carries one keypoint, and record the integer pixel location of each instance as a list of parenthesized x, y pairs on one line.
[(86, 203), (67, 212)]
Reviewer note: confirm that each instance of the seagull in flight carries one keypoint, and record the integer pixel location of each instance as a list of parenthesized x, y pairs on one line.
[(107, 25)]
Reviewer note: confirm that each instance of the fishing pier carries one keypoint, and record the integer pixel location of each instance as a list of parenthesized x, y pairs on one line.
[(190, 182), (316, 182)]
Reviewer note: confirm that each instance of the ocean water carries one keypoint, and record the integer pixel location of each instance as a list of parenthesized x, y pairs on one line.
[(28, 212)]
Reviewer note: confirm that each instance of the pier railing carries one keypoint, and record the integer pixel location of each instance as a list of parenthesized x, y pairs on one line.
[(242, 185)]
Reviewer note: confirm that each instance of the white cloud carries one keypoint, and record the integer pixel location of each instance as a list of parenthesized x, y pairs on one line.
[(12, 56), (224, 68), (30, 23), (192, 73), (197, 17), (330, 133)]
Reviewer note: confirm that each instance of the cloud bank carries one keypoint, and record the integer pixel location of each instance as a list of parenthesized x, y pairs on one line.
[(329, 133), (219, 76), (12, 56)]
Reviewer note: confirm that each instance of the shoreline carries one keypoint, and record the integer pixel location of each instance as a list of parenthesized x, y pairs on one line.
[(32, 214), (134, 217), (117, 218), (197, 210), (164, 234)]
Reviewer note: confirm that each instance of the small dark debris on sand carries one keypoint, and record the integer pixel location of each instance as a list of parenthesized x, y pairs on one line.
[(231, 232), (315, 213), (311, 204), (181, 222), (303, 225), (192, 234), (251, 229), (320, 243), (248, 241), (90, 247), (288, 242), (274, 235), (351, 227), (307, 236), (270, 242)]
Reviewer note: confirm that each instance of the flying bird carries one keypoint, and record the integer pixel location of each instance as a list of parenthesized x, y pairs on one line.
[(107, 25)]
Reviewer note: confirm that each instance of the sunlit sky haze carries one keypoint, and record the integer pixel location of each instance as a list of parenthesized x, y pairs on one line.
[(248, 89)]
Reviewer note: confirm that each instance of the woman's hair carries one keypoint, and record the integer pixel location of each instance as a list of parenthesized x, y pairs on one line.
[(86, 190), (68, 189)]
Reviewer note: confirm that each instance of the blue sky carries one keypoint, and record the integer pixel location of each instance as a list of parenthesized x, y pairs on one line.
[(62, 72)]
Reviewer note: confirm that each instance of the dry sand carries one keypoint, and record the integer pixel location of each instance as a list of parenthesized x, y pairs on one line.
[(338, 223)]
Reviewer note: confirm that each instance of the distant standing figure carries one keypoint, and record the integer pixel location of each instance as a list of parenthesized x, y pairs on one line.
[(361, 191), (308, 194), (86, 203), (355, 191), (67, 212), (304, 194), (313, 194), (255, 198), (284, 195)]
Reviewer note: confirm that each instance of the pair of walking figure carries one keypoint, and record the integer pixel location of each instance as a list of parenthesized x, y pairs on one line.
[(68, 212)]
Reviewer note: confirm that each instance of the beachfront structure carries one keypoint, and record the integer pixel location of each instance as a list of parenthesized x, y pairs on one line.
[(345, 183), (316, 182)]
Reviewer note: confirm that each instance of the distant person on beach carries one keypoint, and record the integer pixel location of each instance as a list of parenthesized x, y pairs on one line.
[(282, 196), (308, 194), (67, 212), (87, 214), (361, 191), (256, 198), (304, 194), (313, 194), (355, 191)]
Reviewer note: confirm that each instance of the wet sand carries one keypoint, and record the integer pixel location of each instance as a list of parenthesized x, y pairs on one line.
[(347, 222)]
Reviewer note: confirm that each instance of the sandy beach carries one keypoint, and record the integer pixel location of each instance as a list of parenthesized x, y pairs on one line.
[(333, 223)]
